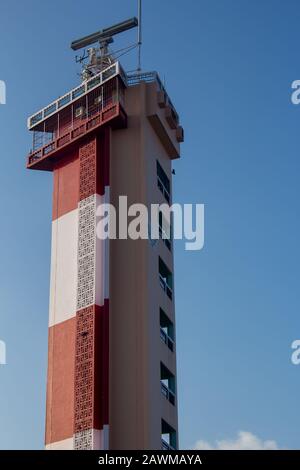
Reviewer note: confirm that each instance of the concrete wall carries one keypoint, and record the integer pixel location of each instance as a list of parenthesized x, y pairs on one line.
[(136, 349)]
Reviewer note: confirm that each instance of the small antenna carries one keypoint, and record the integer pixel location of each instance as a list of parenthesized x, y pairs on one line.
[(139, 34)]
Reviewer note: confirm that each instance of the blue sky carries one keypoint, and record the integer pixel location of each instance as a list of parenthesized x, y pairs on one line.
[(228, 66)]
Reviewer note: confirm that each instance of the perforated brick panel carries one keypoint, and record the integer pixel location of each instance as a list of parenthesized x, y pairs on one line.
[(84, 440), (85, 317), (88, 164), (91, 346), (84, 369), (86, 253)]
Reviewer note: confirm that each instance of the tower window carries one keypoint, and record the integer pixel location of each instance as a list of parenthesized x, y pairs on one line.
[(163, 182), (165, 278), (167, 381), (168, 436), (166, 330), (165, 230)]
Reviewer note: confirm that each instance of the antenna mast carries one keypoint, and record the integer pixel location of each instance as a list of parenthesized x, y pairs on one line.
[(139, 34), (100, 57)]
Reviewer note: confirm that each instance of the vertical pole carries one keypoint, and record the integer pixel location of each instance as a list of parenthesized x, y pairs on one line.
[(139, 34)]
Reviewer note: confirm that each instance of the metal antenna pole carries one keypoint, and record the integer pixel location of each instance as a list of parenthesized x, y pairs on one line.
[(139, 34)]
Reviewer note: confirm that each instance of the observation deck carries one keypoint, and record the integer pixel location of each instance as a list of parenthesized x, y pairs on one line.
[(96, 102)]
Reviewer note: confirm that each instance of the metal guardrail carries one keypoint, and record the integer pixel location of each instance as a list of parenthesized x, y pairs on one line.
[(164, 285), (163, 189), (168, 393), (165, 238), (149, 77), (103, 116), (76, 93), (167, 339), (166, 446), (90, 84)]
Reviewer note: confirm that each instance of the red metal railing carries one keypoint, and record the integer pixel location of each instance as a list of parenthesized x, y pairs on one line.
[(86, 125)]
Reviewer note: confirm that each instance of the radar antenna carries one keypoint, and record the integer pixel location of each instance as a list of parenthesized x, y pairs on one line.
[(100, 57)]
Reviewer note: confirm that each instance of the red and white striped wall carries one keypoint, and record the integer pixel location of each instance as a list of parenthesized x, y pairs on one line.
[(77, 388)]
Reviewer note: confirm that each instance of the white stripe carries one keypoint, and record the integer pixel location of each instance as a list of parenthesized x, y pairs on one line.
[(63, 277), (91, 439), (66, 444)]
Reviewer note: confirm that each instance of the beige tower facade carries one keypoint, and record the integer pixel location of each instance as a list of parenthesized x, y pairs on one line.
[(142, 341), (112, 348)]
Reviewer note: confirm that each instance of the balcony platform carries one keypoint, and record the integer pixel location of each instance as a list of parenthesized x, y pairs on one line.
[(45, 157)]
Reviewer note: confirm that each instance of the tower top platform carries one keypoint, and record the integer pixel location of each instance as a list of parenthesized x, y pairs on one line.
[(96, 102), (75, 94)]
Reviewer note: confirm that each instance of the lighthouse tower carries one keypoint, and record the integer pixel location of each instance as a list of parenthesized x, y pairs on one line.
[(111, 350)]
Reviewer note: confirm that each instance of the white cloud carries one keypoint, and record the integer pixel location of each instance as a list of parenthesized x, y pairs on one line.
[(244, 441)]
